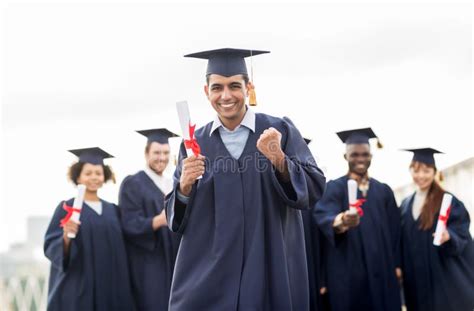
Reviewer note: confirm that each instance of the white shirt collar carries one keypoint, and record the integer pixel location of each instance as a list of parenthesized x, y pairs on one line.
[(96, 206), (163, 183), (248, 121)]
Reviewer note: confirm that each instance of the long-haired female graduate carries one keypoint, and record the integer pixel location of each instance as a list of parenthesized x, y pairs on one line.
[(89, 271), (435, 277)]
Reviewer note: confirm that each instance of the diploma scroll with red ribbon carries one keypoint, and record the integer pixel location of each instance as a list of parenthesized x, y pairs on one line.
[(74, 211), (192, 143), (354, 203), (443, 218), (187, 128)]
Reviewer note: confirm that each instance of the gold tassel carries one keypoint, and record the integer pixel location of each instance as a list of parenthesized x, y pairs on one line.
[(379, 144), (252, 95), (440, 176), (175, 160)]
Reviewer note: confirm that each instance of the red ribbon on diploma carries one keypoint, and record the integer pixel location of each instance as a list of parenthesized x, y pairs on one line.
[(445, 217), (192, 143), (357, 205), (69, 210)]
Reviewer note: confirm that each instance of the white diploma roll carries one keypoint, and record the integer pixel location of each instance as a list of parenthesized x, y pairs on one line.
[(78, 201), (441, 225), (185, 121), (352, 193)]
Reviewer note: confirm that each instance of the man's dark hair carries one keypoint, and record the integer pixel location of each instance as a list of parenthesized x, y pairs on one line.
[(244, 76)]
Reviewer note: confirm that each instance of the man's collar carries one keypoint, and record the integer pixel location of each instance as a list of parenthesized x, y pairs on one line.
[(248, 121), (151, 173)]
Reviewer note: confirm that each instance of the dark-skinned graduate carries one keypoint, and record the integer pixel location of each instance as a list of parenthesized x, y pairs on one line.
[(362, 249)]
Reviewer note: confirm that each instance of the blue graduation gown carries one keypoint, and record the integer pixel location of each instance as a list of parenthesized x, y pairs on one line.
[(243, 241), (437, 277), (95, 274), (315, 261), (151, 253), (361, 262)]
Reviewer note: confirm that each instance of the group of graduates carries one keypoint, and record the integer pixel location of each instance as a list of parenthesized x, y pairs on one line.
[(249, 223)]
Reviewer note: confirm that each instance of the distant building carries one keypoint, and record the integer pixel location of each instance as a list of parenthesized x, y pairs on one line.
[(27, 258), (24, 270)]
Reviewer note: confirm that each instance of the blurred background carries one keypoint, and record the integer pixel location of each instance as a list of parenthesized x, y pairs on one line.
[(82, 74)]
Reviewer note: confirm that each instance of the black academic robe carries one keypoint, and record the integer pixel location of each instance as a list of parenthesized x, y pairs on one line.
[(314, 242), (243, 241), (360, 263), (437, 278), (151, 253), (94, 276)]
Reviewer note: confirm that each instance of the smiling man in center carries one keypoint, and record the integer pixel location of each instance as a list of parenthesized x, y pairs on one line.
[(243, 244)]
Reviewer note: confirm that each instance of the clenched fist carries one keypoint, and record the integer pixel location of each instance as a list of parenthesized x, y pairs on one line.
[(445, 237), (159, 221), (269, 144), (350, 220), (71, 227), (193, 167)]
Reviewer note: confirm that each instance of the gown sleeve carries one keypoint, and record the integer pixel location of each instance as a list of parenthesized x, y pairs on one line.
[(307, 182), (326, 211), (394, 222), (458, 228), (137, 227), (54, 245), (177, 212)]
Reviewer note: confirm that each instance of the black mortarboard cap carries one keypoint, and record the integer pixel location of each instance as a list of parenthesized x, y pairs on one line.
[(93, 155), (160, 135), (357, 136), (424, 155), (226, 62)]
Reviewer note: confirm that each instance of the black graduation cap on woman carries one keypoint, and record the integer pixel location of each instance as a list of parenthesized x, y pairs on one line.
[(229, 62), (93, 155), (160, 135), (358, 136), (424, 155)]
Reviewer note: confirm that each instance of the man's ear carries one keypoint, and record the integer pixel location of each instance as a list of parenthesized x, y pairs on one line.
[(345, 156), (206, 90)]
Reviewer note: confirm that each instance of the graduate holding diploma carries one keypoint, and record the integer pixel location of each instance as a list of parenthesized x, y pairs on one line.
[(360, 219), (89, 269), (437, 248), (243, 244)]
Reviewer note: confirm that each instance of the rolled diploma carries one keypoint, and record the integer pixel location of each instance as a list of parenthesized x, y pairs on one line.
[(352, 193), (441, 225), (78, 200), (185, 120)]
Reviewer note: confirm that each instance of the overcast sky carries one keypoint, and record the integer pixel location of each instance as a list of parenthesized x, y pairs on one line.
[(86, 74)]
